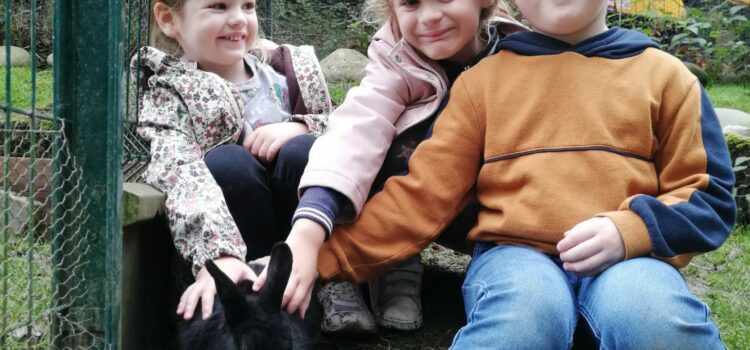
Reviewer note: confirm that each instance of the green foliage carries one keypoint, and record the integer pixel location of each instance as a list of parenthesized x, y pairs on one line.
[(325, 24), (715, 36), (21, 27)]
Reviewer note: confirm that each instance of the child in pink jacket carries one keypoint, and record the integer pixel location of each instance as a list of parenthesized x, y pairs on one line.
[(413, 60)]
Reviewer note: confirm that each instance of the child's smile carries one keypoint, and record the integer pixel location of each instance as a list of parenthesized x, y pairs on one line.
[(441, 29), (217, 34)]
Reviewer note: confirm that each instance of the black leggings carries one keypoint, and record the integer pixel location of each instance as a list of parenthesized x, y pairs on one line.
[(261, 197)]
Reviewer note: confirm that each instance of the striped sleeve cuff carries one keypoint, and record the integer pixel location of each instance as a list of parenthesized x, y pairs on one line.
[(321, 205), (315, 214)]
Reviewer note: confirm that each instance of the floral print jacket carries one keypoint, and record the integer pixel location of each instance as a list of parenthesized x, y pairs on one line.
[(186, 112)]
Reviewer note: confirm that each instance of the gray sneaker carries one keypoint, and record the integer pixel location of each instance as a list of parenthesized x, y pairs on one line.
[(396, 296), (344, 311)]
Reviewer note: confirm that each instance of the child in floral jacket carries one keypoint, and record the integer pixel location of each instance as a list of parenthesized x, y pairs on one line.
[(228, 141)]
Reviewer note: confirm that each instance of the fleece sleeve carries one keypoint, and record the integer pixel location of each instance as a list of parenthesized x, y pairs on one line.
[(695, 210), (199, 219), (413, 209)]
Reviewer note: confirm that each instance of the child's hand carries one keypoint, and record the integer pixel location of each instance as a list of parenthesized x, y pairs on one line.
[(266, 141), (591, 246), (204, 288), (304, 240)]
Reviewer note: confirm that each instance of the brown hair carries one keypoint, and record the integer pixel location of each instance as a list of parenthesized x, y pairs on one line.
[(380, 11)]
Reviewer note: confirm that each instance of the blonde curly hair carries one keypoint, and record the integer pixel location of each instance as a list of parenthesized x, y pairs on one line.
[(380, 11)]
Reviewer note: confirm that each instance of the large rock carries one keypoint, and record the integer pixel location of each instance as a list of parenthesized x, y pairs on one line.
[(18, 57), (18, 215), (439, 258), (734, 121), (344, 65)]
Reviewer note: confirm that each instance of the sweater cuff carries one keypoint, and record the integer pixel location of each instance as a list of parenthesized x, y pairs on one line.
[(633, 231), (321, 205), (328, 265)]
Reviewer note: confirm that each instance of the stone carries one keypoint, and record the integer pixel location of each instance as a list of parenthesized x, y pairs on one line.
[(442, 259), (34, 331), (141, 202), (734, 253), (344, 65), (18, 214), (50, 59), (734, 121), (18, 57)]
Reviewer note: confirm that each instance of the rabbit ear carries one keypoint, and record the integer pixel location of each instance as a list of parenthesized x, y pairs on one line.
[(279, 269), (235, 304)]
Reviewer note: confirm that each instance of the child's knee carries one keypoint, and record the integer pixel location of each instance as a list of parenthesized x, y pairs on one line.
[(233, 165), (644, 301), (293, 155), (518, 315), (521, 289)]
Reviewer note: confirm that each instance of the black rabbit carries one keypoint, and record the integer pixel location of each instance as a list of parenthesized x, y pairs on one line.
[(245, 320)]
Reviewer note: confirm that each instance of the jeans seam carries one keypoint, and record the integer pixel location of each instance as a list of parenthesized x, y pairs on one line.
[(469, 316), (594, 329)]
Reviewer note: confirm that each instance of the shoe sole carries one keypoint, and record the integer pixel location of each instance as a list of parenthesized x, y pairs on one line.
[(348, 329), (400, 326)]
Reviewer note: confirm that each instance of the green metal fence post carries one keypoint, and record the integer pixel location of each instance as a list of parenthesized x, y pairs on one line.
[(88, 95)]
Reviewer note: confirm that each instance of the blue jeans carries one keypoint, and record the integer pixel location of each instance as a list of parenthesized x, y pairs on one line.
[(519, 298)]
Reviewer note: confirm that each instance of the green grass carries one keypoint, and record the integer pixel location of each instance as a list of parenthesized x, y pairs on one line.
[(338, 91), (726, 275), (18, 273), (21, 88), (730, 96)]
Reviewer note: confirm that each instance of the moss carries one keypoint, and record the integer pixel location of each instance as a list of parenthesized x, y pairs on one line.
[(699, 72), (739, 148)]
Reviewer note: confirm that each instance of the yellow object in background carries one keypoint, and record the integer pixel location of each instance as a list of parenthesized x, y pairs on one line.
[(673, 8)]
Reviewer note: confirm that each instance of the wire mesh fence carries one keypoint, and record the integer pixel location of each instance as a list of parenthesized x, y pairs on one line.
[(45, 239), (135, 150), (44, 243), (42, 272)]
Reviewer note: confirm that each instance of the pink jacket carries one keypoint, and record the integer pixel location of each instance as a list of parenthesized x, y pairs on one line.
[(400, 89)]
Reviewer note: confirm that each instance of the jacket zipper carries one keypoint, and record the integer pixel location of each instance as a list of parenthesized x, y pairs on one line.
[(429, 69), (442, 86)]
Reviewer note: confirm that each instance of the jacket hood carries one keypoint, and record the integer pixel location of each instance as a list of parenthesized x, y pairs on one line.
[(613, 43)]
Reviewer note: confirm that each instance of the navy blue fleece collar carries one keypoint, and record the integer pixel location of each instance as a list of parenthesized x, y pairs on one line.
[(614, 43)]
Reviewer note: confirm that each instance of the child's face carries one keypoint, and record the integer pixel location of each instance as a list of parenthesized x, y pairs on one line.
[(568, 20), (441, 29), (216, 33)]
